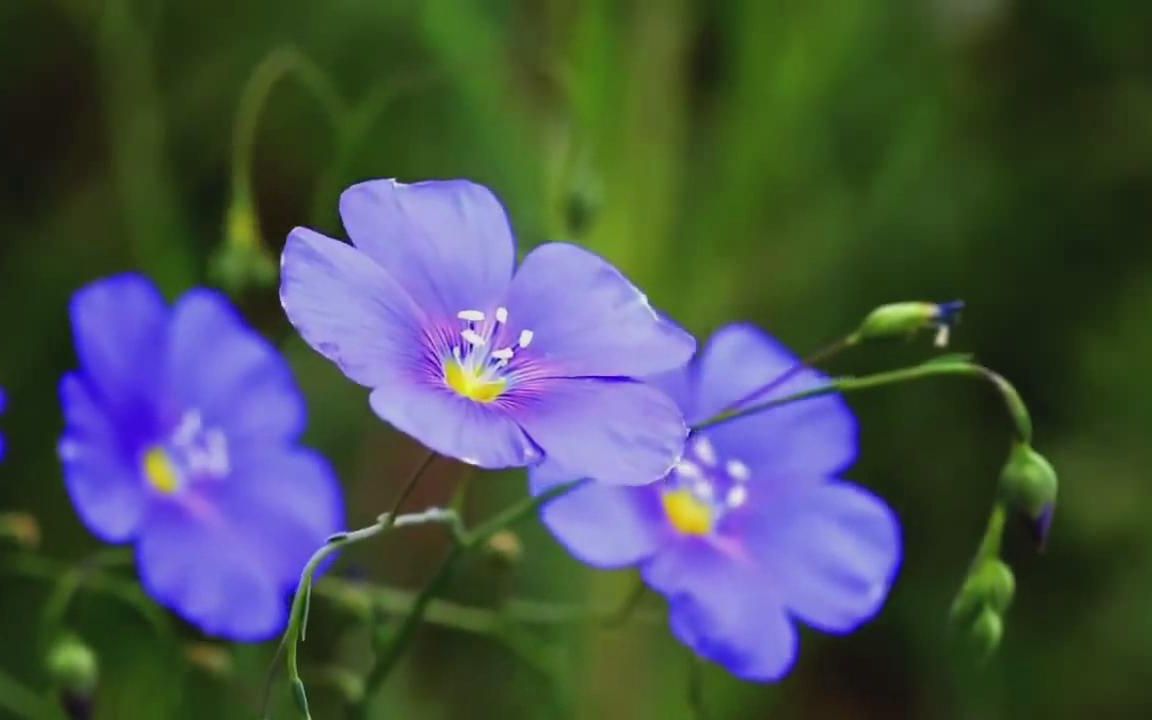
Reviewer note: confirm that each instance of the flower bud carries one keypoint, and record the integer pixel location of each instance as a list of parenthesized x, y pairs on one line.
[(985, 633), (242, 260), (990, 584), (904, 319), (73, 666), (1028, 485), (504, 548)]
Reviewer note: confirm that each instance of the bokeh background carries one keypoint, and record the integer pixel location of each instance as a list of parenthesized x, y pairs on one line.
[(788, 163)]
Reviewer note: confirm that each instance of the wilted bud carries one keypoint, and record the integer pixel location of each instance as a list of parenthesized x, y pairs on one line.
[(504, 547), (73, 666), (990, 584), (908, 318), (1028, 485), (985, 633)]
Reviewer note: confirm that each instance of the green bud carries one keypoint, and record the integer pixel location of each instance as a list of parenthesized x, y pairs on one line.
[(1029, 486), (73, 666), (904, 319), (242, 259), (986, 632), (990, 584)]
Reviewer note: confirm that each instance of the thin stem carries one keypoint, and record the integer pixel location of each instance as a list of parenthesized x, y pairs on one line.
[(391, 653), (627, 608), (822, 355), (24, 703), (696, 688), (1017, 411), (298, 615), (993, 534)]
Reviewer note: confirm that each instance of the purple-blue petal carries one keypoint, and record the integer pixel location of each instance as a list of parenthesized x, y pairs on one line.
[(587, 319), (226, 556), (722, 611), (833, 552), (452, 425), (100, 468), (602, 525), (119, 325), (621, 432), (817, 437), (447, 242), (348, 308), (223, 369)]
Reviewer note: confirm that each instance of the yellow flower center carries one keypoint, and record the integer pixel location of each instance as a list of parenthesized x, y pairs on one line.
[(473, 383), (160, 471), (688, 514)]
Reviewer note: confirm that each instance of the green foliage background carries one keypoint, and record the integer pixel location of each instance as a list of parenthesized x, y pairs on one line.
[(788, 163)]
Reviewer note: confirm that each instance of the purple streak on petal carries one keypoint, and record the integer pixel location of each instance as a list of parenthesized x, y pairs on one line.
[(723, 611), (349, 309), (100, 469), (607, 527), (451, 425), (620, 432), (833, 552), (587, 319), (225, 370), (226, 555), (118, 325), (812, 437), (447, 242)]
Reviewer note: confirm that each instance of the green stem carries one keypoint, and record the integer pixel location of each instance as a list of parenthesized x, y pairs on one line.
[(24, 703), (822, 355), (993, 534), (298, 615), (391, 653), (1017, 411)]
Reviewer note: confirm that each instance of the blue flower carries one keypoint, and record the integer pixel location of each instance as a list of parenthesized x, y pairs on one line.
[(752, 530), (182, 437), (495, 370)]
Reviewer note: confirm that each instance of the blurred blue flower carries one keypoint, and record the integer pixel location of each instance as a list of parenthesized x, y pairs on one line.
[(182, 436), (751, 531), (495, 370)]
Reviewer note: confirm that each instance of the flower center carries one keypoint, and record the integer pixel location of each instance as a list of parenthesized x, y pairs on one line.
[(477, 366), (701, 489), (192, 452)]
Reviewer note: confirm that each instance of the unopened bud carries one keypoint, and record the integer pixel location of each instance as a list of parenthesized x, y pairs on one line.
[(986, 632), (989, 585), (504, 547), (73, 666), (1029, 486), (242, 259), (21, 528), (904, 319)]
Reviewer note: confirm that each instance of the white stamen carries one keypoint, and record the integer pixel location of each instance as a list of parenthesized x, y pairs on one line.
[(501, 314), (737, 496), (737, 470), (688, 469), (942, 336), (703, 490), (525, 338), (188, 428), (503, 353), (472, 337), (705, 453), (471, 315)]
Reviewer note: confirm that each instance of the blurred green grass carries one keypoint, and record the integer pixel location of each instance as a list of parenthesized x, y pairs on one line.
[(792, 164)]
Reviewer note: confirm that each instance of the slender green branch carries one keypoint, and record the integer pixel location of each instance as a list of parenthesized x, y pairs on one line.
[(23, 702), (298, 615), (822, 355), (1017, 411), (394, 649)]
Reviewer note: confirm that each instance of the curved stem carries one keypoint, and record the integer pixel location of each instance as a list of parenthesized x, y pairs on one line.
[(391, 653), (298, 615), (822, 355), (1017, 411)]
